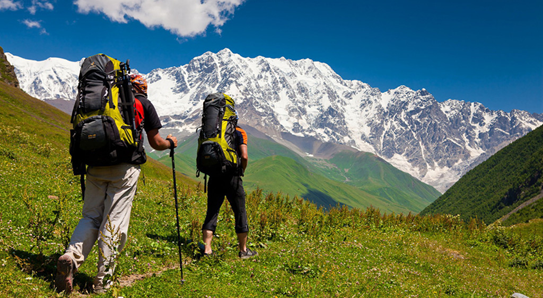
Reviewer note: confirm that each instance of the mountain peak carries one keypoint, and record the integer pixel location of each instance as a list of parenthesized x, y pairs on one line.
[(401, 88), (424, 92), (223, 55), (226, 52)]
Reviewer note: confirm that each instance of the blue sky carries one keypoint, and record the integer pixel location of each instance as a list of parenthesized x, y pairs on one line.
[(478, 50)]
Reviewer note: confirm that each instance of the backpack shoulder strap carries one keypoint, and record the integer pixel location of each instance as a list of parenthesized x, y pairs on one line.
[(82, 181), (76, 107)]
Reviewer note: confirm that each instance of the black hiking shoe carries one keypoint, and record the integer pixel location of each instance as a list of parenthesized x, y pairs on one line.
[(247, 254), (101, 288), (212, 254), (65, 270)]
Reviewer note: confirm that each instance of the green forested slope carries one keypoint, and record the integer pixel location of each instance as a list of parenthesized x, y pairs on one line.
[(497, 186)]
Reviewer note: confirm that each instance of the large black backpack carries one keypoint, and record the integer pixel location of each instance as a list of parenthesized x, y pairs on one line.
[(216, 153), (104, 130)]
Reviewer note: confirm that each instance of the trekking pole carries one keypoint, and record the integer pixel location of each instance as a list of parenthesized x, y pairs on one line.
[(127, 98), (176, 211)]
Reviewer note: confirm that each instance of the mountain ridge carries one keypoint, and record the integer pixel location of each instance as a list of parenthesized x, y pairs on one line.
[(436, 142)]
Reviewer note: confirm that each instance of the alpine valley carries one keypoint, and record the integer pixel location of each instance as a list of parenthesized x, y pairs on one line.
[(304, 117)]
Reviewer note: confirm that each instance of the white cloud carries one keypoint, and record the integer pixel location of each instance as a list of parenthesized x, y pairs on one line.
[(181, 17), (35, 24), (10, 4), (32, 24), (39, 4)]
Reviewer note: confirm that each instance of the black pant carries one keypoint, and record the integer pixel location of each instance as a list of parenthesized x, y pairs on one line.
[(232, 188)]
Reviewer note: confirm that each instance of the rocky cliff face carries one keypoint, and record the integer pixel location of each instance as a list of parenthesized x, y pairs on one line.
[(437, 142), (7, 71)]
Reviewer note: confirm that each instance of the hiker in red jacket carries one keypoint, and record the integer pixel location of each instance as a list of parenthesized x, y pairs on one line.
[(109, 193)]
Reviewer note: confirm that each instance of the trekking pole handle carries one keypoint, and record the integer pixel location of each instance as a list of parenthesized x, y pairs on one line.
[(172, 146)]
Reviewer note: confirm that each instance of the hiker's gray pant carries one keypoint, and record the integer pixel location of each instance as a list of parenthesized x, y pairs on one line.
[(109, 191)]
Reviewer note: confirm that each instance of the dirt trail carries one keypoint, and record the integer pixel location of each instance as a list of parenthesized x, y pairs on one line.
[(128, 281), (523, 205)]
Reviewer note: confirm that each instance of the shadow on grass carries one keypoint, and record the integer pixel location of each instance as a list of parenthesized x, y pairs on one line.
[(170, 238), (319, 198), (45, 267), (189, 247)]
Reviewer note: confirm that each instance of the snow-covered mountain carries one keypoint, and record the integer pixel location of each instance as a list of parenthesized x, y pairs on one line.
[(437, 142), (54, 78)]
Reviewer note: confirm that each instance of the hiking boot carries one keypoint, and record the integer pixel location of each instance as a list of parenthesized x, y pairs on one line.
[(65, 270), (247, 254), (100, 288), (212, 254)]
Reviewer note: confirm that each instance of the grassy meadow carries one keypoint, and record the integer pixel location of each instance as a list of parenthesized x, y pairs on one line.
[(304, 251)]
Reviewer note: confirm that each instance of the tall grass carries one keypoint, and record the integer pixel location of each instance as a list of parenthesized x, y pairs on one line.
[(303, 251)]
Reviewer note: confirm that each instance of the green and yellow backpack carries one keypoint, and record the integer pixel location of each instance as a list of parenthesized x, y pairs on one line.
[(216, 153), (104, 124)]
